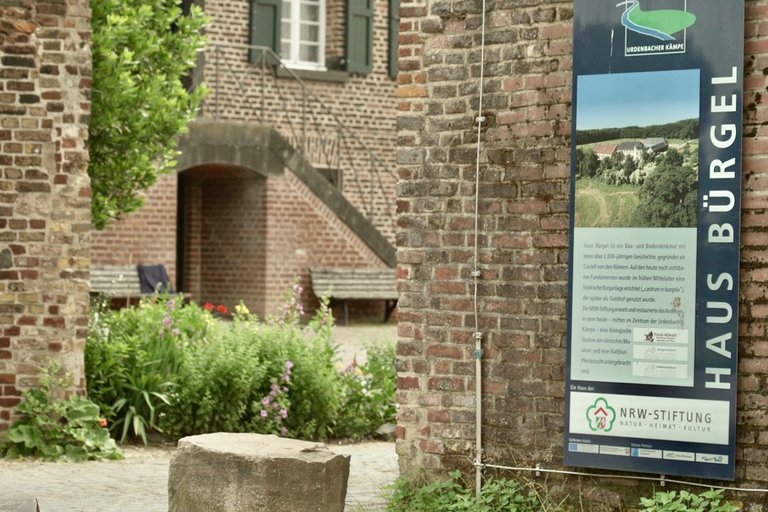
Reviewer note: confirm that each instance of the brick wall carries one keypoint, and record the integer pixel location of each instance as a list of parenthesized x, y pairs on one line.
[(524, 208), (147, 236), (45, 73), (225, 236), (302, 233)]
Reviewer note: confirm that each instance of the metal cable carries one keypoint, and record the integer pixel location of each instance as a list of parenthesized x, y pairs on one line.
[(476, 277), (662, 479)]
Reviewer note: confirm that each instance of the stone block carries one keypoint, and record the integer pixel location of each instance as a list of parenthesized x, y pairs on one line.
[(18, 503), (227, 472)]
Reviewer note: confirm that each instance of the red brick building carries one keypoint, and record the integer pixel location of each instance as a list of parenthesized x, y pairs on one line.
[(246, 213), (523, 223)]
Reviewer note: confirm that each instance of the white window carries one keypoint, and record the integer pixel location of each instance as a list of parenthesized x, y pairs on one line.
[(302, 34)]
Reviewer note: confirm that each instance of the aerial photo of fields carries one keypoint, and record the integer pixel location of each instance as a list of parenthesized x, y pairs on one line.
[(637, 147)]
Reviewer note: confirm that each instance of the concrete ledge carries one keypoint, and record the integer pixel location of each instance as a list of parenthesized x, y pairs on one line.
[(227, 472), (240, 144)]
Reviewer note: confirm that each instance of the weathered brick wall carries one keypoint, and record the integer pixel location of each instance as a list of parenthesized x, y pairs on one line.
[(752, 450), (302, 232), (523, 246), (45, 73)]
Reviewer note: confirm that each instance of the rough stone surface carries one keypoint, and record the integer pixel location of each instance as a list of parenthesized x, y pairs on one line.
[(228, 472), (18, 503), (45, 216)]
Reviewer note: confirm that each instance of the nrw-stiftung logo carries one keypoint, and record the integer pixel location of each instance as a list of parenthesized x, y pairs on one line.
[(655, 31), (601, 416)]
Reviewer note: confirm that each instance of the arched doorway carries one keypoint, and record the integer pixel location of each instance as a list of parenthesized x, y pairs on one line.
[(221, 237)]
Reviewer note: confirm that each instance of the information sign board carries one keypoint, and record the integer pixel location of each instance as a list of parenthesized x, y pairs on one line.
[(654, 247)]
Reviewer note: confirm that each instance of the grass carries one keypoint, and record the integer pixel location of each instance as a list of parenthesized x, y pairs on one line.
[(601, 205)]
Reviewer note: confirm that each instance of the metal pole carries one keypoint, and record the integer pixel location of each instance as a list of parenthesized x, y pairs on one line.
[(371, 174), (263, 85), (216, 81), (339, 170), (304, 121)]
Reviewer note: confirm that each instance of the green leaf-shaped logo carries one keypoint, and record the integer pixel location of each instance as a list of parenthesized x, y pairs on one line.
[(661, 24), (600, 416)]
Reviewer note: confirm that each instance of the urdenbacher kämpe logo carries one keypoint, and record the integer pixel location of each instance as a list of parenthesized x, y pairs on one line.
[(655, 31), (601, 416)]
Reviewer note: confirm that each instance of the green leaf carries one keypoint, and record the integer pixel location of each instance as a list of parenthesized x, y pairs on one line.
[(29, 436), (141, 53)]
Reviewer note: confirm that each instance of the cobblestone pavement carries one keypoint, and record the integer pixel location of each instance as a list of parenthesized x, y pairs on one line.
[(139, 482), (372, 467), (352, 341)]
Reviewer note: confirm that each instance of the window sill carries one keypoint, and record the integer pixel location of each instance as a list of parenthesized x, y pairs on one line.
[(319, 76)]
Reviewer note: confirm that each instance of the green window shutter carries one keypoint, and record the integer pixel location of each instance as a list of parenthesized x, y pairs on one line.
[(265, 26), (359, 36), (394, 36)]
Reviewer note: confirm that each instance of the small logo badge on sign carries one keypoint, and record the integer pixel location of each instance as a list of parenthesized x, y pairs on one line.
[(655, 32), (601, 416)]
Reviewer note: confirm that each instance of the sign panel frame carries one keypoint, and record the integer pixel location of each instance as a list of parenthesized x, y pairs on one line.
[(652, 356)]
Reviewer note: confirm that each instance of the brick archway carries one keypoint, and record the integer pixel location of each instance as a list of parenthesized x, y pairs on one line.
[(221, 235)]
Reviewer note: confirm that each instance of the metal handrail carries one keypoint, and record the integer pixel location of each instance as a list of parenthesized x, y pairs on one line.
[(367, 186)]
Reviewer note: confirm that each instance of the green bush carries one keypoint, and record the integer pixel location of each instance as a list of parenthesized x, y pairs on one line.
[(684, 501), (215, 387), (55, 428), (455, 496), (258, 377), (179, 370), (132, 355), (368, 394)]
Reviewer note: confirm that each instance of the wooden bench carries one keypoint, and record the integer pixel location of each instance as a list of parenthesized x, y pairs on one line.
[(118, 283), (344, 284)]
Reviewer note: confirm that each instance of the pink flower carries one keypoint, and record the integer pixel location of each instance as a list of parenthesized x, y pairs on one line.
[(265, 400), (283, 413), (263, 413)]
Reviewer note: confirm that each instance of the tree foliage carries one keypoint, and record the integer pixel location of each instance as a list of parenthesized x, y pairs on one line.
[(587, 162), (684, 129), (668, 198), (142, 51)]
